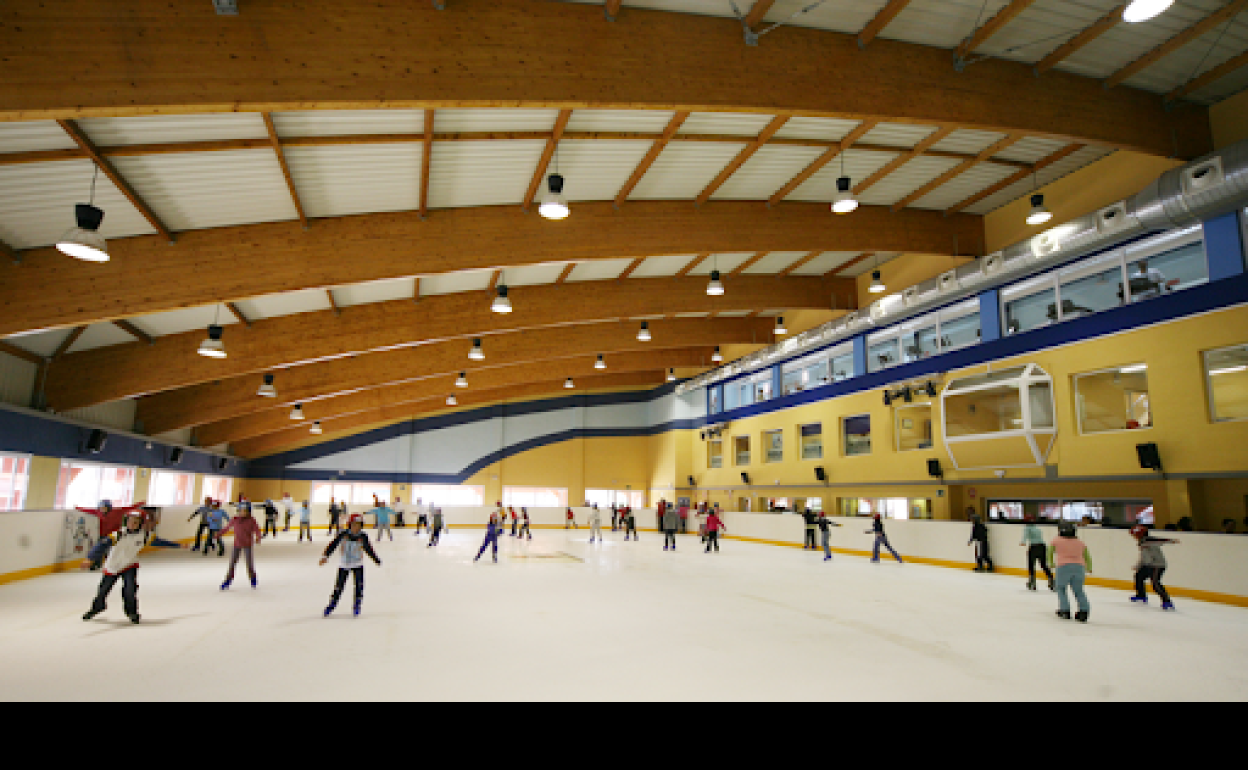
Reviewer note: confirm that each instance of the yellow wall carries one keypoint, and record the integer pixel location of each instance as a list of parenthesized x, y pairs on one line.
[(1229, 119), (1089, 189)]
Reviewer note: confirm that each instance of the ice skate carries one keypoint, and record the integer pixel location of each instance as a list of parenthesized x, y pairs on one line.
[(1139, 600), (329, 611), (91, 614), (1082, 617), (1063, 615), (1167, 607), (134, 619), (255, 584), (225, 586), (1031, 584), (356, 611)]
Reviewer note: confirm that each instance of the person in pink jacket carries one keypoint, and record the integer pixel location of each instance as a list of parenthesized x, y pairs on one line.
[(246, 537), (713, 526)]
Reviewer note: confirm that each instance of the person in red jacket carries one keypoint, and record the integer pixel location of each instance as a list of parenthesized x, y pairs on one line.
[(571, 520), (714, 525), (515, 520), (246, 537)]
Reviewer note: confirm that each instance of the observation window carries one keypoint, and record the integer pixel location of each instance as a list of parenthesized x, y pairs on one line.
[(857, 433), (1113, 400), (1226, 377), (812, 442), (1003, 419)]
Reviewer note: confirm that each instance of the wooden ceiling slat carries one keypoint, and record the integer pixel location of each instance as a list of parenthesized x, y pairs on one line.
[(747, 264), (1192, 33), (333, 302), (631, 269), (238, 314), (758, 13), (881, 20), (855, 261), (1076, 43), (68, 342), (800, 263), (135, 332), (955, 172), (845, 144), (1065, 152), (281, 159), (552, 145), (567, 271), (994, 25), (612, 9), (693, 263), (21, 353)]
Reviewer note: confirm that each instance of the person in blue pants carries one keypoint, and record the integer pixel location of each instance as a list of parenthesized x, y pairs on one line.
[(492, 531), (881, 539)]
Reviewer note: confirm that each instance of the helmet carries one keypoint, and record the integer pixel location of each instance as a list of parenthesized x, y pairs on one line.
[(1066, 529), (1139, 531), (355, 518), (877, 517)]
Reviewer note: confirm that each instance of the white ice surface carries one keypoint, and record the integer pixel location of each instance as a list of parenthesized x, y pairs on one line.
[(629, 622)]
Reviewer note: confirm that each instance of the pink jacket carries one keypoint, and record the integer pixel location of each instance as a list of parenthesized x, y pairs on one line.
[(714, 523), (246, 531)]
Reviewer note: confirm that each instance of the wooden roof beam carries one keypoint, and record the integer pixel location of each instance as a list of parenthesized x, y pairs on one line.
[(86, 145), (851, 263), (756, 15), (333, 302), (281, 159), (668, 133), (567, 271), (68, 342), (1065, 152), (637, 263), (994, 25), (1076, 43), (817, 165), (800, 263), (903, 159), (746, 153), (955, 172), (426, 163), (22, 353), (238, 314), (881, 20), (552, 145), (693, 263), (611, 9), (1192, 33), (747, 264), (1213, 75), (135, 332)]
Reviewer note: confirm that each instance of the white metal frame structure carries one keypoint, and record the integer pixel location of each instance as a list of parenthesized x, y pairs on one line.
[(1026, 377)]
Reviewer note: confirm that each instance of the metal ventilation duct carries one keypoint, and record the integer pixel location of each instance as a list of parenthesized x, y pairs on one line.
[(1207, 188), (226, 7)]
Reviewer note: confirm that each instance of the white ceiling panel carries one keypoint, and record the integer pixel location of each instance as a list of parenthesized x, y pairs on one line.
[(106, 132), (905, 180), (724, 262), (100, 336), (1030, 149), (897, 135), (823, 129), (979, 177), (348, 122), (290, 303), (968, 142), (663, 267), (858, 165), (639, 121), (375, 291), (477, 121), (848, 16), (454, 283), (40, 343), (343, 180), (186, 320), (690, 315), (774, 262), (191, 191), (684, 169), (766, 172), (599, 270), (867, 265), (597, 170), (482, 173), (941, 23), (1074, 162), (37, 203), (826, 262), (533, 275), (725, 123), (34, 137)]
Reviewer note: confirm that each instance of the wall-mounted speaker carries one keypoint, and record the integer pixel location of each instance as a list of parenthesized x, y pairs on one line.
[(745, 477), (97, 441), (221, 463), (934, 470), (1150, 456), (692, 481), (821, 474), (175, 455)]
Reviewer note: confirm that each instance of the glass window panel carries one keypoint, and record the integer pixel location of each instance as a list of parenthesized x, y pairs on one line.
[(857, 432), (535, 497), (1226, 372), (960, 332), (603, 498), (1001, 375), (1041, 394), (171, 488), (1181, 268), (1113, 400), (715, 454), (980, 412), (1090, 294), (220, 488), (741, 445), (732, 396), (882, 355), (449, 495), (86, 485), (843, 367), (794, 382), (716, 401), (914, 428), (762, 389), (1031, 312), (367, 494), (816, 374), (812, 442), (773, 441), (14, 476)]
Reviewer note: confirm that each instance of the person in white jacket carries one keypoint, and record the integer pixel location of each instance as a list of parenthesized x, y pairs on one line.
[(122, 563), (595, 524)]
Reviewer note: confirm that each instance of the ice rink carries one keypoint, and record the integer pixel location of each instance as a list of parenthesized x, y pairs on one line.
[(560, 619)]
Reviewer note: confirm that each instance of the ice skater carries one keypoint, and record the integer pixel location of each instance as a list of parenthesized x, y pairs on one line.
[(492, 532), (615, 518), (1037, 553), (714, 525), (119, 552), (881, 541), (825, 530), (1070, 557), (979, 538), (270, 519), (671, 521), (812, 524), (701, 519), (630, 524), (435, 531), (422, 516), (217, 520), (202, 512), (288, 505), (571, 520), (525, 529), (111, 520), (305, 521), (515, 520), (335, 515), (355, 545), (595, 525), (399, 511), (383, 514), (1151, 567), (247, 536)]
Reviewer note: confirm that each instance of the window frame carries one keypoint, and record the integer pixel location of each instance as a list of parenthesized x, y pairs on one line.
[(801, 446), (736, 455), (1211, 403), (1079, 405), (566, 496), (767, 446), (64, 505), (709, 456), (897, 416), (25, 488), (151, 484), (845, 435), (203, 487), (419, 492)]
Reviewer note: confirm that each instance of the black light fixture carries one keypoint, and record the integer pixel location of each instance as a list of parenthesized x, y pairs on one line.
[(888, 398), (907, 395), (931, 389), (267, 390), (84, 241), (501, 304)]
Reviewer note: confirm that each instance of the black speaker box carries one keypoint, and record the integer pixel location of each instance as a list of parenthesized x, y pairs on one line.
[(97, 441), (692, 482), (745, 477), (1150, 457), (821, 474), (175, 455), (221, 463), (934, 470)]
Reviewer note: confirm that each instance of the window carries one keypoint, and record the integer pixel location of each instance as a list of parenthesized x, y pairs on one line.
[(773, 442), (762, 387), (14, 475), (1226, 372), (742, 446), (1118, 513), (447, 495), (605, 498), (535, 497), (715, 453), (805, 373), (353, 494), (890, 507), (857, 431), (959, 325), (914, 428), (171, 488), (920, 339), (843, 365), (1030, 305), (218, 487), (85, 485), (1113, 399), (882, 353), (716, 404), (812, 442), (1091, 286), (1170, 271)]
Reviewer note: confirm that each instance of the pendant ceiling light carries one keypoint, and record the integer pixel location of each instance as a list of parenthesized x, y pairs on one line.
[(554, 205), (476, 354), (877, 283), (1040, 213), (718, 357), (844, 202), (267, 390), (297, 413), (452, 401), (1143, 10), (716, 287), (569, 384), (781, 329), (462, 381), (501, 303), (671, 375), (317, 429), (600, 364), (644, 334), (84, 240), (213, 347)]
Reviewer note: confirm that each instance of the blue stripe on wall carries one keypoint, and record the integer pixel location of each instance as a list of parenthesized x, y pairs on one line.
[(1224, 247)]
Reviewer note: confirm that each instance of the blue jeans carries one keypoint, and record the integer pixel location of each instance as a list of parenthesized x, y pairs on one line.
[(1072, 576), (491, 537), (882, 540)]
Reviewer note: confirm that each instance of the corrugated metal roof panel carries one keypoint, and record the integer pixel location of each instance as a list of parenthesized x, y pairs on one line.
[(858, 165), (533, 275), (40, 343), (34, 136), (278, 305), (767, 171), (37, 203), (684, 169), (847, 16), (356, 179), (664, 266), (979, 177), (191, 191), (905, 180), (348, 122), (454, 283), (968, 141), (774, 262), (1078, 160), (375, 291), (482, 173), (100, 336), (941, 23), (825, 262), (640, 121), (108, 132), (598, 270), (1031, 149), (724, 262), (725, 124), (823, 129), (897, 135), (114, 414), (1203, 54), (17, 380), (484, 120), (597, 170)]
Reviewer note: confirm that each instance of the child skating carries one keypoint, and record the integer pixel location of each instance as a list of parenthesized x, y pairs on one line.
[(1151, 567), (383, 514), (1033, 541), (435, 529), (120, 554), (216, 523), (270, 519), (247, 536), (630, 525), (492, 532), (355, 546), (881, 541), (202, 512), (1073, 562), (526, 532), (515, 520), (825, 531), (714, 525), (571, 520), (305, 521), (595, 525), (670, 522)]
